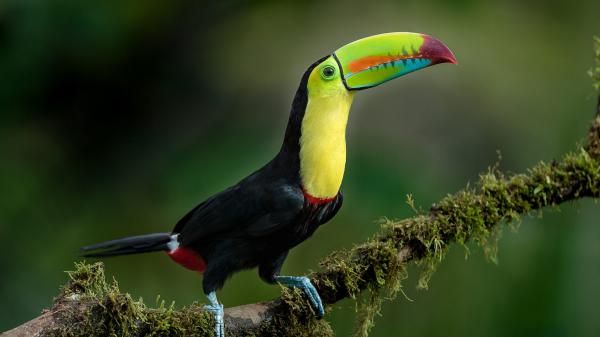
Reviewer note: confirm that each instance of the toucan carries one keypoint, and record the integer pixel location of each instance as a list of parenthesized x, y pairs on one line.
[(256, 222)]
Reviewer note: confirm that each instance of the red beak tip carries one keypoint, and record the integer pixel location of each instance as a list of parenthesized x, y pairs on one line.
[(438, 50)]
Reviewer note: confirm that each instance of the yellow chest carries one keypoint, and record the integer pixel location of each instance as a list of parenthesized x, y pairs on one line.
[(323, 145)]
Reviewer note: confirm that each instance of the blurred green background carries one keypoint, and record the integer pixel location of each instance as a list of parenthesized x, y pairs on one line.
[(118, 117)]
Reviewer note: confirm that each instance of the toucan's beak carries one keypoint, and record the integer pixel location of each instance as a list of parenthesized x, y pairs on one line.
[(373, 60)]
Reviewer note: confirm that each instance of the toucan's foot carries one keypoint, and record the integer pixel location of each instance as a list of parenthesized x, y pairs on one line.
[(304, 283), (216, 309)]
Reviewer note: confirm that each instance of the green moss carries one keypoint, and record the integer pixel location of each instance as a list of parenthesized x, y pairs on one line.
[(373, 266), (102, 310), (593, 143), (473, 214), (86, 280), (387, 272), (89, 306), (295, 317)]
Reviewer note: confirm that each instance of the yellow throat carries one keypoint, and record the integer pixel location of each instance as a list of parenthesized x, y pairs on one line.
[(323, 136)]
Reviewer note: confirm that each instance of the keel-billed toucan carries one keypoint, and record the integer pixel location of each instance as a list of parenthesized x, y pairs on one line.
[(258, 220)]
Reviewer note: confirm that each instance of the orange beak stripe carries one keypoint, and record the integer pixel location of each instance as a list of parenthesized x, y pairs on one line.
[(372, 61)]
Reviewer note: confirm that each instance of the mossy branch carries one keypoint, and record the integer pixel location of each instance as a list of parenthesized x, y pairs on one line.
[(88, 306)]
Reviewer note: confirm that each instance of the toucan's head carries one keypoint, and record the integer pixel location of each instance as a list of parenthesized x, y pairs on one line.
[(376, 59), (317, 126)]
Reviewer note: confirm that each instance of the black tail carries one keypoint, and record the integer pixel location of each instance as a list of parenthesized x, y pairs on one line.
[(131, 245)]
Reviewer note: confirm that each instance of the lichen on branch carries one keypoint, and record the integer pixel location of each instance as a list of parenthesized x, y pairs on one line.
[(89, 306)]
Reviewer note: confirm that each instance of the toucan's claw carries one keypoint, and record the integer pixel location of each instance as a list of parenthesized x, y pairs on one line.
[(304, 283), (216, 309)]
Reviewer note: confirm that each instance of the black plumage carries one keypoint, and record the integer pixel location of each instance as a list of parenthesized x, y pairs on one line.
[(253, 223), (258, 220)]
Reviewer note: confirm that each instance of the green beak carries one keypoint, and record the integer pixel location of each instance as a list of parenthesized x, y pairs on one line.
[(376, 59)]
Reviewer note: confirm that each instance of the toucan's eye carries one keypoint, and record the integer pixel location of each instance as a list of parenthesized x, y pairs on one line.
[(327, 72)]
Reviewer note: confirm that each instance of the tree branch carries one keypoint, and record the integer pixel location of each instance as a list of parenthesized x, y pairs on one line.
[(87, 305)]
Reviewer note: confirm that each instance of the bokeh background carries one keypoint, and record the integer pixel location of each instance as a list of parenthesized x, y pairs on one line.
[(116, 117)]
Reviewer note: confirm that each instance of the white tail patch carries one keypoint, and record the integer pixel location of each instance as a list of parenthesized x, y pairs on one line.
[(174, 243)]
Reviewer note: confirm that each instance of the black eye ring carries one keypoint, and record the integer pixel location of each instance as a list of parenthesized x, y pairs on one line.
[(327, 72)]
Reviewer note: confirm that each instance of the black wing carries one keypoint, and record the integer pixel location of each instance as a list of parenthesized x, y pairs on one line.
[(244, 209)]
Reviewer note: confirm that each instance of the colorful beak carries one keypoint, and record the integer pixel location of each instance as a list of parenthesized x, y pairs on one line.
[(376, 59)]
